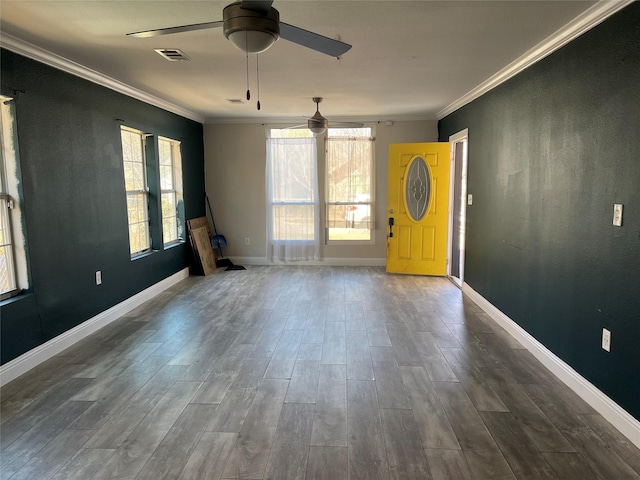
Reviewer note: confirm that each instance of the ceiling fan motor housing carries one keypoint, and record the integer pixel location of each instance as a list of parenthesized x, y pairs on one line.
[(251, 31), (318, 121), (317, 124)]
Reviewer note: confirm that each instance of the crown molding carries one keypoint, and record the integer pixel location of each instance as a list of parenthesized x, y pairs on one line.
[(584, 22), (34, 52), (302, 120)]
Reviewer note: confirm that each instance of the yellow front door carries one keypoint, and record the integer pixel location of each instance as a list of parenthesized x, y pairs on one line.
[(418, 205)]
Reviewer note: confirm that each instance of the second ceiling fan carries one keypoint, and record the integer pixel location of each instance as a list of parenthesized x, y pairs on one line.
[(253, 26), (318, 123)]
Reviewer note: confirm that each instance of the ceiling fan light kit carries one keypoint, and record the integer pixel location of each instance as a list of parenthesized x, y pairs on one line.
[(251, 31)]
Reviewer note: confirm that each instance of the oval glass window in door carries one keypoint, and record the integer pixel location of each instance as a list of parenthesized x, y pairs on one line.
[(418, 189)]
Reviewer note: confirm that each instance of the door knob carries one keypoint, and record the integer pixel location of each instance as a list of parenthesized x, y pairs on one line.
[(391, 222)]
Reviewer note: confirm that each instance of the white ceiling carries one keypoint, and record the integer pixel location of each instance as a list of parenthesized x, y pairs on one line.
[(410, 59)]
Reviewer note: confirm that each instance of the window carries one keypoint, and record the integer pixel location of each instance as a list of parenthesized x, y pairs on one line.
[(292, 195), (7, 263), (350, 208), (13, 258), (135, 180), (170, 163)]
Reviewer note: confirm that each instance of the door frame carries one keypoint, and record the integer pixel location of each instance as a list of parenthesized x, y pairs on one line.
[(460, 137)]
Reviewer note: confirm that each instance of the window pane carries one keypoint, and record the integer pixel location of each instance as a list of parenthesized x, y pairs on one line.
[(128, 176), (169, 218), (166, 177), (349, 132), (7, 282), (293, 222), (168, 205), (164, 153), (362, 234), (349, 170), (137, 181), (138, 237), (290, 133), (137, 207), (169, 229), (349, 216), (131, 146), (7, 277), (293, 174), (5, 237)]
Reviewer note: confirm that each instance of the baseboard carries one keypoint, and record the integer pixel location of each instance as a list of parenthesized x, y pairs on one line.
[(329, 262), (18, 366), (614, 413)]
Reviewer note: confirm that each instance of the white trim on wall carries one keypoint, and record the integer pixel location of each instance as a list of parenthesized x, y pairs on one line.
[(584, 22), (610, 410), (18, 366), (34, 52), (328, 262)]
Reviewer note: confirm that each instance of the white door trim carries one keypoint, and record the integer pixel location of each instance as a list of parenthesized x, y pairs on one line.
[(461, 136)]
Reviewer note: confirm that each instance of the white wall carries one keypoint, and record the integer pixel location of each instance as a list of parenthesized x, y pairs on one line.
[(235, 182)]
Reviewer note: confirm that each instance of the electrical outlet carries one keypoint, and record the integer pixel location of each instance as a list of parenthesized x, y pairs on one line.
[(99, 277), (470, 199), (606, 340), (247, 241), (617, 214)]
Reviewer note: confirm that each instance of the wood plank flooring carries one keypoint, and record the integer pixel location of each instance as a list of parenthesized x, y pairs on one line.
[(337, 373)]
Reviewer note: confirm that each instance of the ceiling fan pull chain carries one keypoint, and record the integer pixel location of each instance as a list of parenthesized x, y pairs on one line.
[(247, 54), (258, 78)]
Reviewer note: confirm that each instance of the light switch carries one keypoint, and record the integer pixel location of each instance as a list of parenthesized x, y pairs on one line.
[(617, 214), (469, 199)]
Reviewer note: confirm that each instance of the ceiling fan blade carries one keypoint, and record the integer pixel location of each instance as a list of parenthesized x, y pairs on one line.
[(317, 42), (179, 29), (257, 5), (345, 124)]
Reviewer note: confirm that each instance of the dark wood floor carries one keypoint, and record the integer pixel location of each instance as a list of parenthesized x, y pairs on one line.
[(304, 372)]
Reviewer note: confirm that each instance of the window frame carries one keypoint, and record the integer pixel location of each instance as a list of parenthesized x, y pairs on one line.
[(176, 190), (11, 201), (279, 249), (372, 191), (144, 192)]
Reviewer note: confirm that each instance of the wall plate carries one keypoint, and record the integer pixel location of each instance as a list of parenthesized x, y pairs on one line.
[(617, 214)]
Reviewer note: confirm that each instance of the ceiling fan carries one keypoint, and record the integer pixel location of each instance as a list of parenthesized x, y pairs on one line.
[(319, 124), (253, 26)]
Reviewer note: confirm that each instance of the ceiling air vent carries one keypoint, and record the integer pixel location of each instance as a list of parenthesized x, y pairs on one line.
[(173, 54), (234, 100)]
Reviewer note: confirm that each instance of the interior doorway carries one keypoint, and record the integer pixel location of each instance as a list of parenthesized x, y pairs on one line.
[(458, 206)]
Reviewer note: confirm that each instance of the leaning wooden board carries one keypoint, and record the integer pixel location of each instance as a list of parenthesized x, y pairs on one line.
[(202, 247), (199, 222)]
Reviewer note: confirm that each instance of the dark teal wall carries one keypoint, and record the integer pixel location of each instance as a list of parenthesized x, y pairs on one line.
[(74, 199), (550, 152)]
